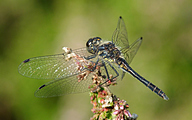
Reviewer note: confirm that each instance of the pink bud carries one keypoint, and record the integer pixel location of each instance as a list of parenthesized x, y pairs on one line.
[(116, 112), (102, 101), (116, 107), (121, 107), (129, 113), (126, 113), (126, 105), (92, 97)]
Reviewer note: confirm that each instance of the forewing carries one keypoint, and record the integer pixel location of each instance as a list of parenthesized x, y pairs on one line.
[(50, 67), (120, 37), (82, 52), (64, 86), (129, 52)]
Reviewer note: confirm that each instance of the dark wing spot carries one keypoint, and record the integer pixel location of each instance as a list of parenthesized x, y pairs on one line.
[(42, 86), (27, 60)]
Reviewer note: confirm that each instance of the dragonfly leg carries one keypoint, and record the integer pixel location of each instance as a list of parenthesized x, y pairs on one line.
[(90, 57), (94, 66), (108, 78)]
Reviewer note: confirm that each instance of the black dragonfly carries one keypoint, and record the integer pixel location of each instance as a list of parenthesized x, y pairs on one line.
[(115, 55)]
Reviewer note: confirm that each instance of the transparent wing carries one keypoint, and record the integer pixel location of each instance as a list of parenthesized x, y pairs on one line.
[(50, 67), (120, 37), (130, 51), (82, 52), (64, 86)]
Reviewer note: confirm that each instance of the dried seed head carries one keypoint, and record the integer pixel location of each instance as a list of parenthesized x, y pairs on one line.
[(67, 50)]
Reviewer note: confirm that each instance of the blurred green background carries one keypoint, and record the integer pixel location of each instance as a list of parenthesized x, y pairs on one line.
[(30, 28)]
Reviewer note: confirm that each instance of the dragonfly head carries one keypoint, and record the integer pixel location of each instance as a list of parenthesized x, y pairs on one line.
[(92, 44)]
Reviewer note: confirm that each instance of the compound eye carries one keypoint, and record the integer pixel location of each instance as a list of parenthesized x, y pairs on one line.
[(96, 40), (89, 42), (92, 44)]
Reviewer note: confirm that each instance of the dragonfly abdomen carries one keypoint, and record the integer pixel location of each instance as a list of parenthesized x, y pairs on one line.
[(158, 91), (124, 65)]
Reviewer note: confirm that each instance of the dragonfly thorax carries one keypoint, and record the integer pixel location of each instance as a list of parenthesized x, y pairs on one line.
[(108, 51)]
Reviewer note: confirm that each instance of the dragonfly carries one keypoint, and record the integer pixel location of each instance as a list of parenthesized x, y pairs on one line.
[(115, 56)]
